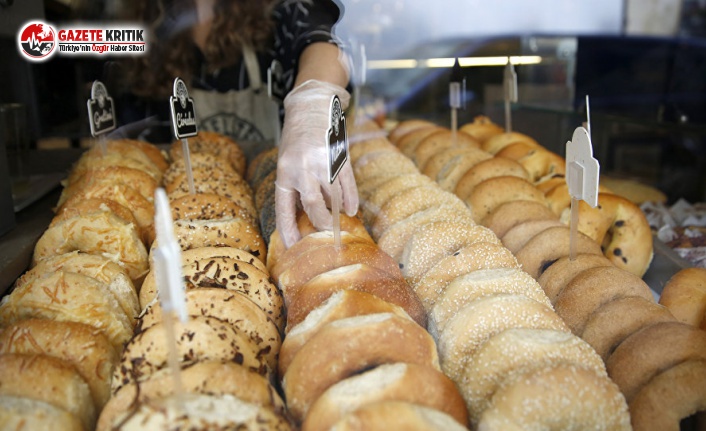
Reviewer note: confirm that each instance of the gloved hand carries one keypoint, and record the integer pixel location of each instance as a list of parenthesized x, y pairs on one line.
[(302, 172)]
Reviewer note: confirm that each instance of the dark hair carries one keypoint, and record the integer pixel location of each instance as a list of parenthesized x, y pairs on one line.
[(172, 50)]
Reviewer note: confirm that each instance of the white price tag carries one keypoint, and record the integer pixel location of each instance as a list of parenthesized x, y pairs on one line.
[(582, 169)]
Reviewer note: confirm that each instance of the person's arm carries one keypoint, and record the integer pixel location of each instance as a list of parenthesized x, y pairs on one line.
[(322, 61)]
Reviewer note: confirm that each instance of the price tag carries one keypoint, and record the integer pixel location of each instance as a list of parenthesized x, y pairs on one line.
[(337, 139), (457, 87), (183, 113), (101, 110), (582, 169), (510, 90)]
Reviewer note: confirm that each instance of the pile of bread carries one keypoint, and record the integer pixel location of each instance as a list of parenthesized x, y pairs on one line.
[(421, 223), (83, 340)]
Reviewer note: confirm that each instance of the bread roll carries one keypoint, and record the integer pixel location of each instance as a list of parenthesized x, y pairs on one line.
[(358, 277), (439, 141), (47, 379), (516, 238), (500, 141), (341, 304), (348, 346), (404, 127), (221, 146), (489, 168), (685, 296), (477, 256), (383, 193), (207, 377), (453, 170), (560, 273), (228, 232), (493, 192), (508, 215), (136, 179), (412, 383), (83, 347), (449, 156), (207, 206), (386, 415), (69, 297), (482, 128), (26, 414)]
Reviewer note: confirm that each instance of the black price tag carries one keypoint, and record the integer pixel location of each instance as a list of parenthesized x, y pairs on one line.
[(101, 111), (275, 87), (337, 139), (183, 113)]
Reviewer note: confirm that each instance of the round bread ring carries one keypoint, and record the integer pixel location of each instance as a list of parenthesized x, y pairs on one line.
[(232, 307), (214, 143), (97, 233), (496, 143), (481, 319), (409, 142), (79, 207), (231, 274), (82, 346), (228, 232), (482, 128), (614, 321), (268, 217), (361, 342), (685, 296), (153, 153), (548, 246), (578, 398), (20, 413), (396, 415), (439, 141), (622, 229), (540, 163), (141, 208), (358, 277), (48, 379), (265, 188), (69, 297), (549, 182), (514, 352), (509, 214), (493, 192), (408, 202), (139, 180), (98, 267), (452, 172), (473, 257), (239, 193), (489, 168), (651, 350), (374, 164), (387, 190), (515, 151), (207, 377), (516, 238), (351, 225), (309, 242), (207, 206), (368, 186), (204, 163), (341, 304), (434, 241), (189, 256), (93, 161), (199, 339), (261, 166), (358, 149), (669, 397), (200, 411), (180, 181), (407, 126), (394, 239), (436, 163), (559, 274), (412, 383), (594, 287), (467, 288)]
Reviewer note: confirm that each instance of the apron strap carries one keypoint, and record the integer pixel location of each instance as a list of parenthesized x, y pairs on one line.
[(252, 66)]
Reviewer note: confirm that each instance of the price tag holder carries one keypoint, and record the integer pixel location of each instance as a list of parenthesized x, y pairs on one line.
[(457, 87), (183, 112), (275, 89), (582, 175), (101, 110), (170, 283), (510, 90)]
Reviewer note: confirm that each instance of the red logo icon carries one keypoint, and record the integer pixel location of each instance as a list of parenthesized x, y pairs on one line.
[(37, 40)]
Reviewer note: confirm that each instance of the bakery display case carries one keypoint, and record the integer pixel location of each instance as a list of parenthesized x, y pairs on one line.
[(472, 289)]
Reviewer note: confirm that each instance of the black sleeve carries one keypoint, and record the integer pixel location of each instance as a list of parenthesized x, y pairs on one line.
[(299, 23)]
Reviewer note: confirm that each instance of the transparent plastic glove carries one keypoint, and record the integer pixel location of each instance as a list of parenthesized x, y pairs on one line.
[(302, 171)]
